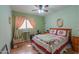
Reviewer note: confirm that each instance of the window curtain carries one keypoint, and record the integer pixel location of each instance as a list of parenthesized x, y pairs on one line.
[(33, 23), (18, 22)]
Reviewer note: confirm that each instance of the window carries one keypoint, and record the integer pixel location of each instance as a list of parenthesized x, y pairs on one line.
[(26, 24)]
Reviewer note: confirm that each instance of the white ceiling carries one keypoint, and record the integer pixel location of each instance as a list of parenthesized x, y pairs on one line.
[(29, 8)]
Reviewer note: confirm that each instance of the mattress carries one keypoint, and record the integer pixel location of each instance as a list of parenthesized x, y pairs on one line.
[(47, 43)]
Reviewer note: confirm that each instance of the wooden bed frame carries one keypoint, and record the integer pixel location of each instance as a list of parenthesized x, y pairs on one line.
[(66, 29)]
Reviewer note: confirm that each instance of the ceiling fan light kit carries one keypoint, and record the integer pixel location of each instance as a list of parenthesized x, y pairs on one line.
[(40, 11), (41, 8)]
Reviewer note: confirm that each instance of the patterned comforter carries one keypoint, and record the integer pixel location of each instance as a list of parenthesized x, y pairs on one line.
[(48, 42)]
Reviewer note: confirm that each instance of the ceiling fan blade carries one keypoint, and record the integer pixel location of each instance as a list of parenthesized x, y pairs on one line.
[(46, 6), (46, 10), (35, 10), (41, 6), (36, 5)]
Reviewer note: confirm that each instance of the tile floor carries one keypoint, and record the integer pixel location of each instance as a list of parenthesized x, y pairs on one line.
[(25, 48)]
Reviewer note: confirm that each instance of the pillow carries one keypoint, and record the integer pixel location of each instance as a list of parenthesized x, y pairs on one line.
[(52, 32), (61, 32)]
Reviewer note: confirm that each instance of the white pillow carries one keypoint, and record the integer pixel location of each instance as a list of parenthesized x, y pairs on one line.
[(52, 32), (61, 32)]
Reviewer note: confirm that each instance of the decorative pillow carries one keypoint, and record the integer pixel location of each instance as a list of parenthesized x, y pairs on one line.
[(61, 32), (52, 32)]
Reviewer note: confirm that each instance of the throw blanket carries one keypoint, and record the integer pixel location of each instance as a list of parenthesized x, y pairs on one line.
[(50, 39)]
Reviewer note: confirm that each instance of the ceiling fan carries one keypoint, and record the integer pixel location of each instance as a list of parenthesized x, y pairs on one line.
[(41, 8)]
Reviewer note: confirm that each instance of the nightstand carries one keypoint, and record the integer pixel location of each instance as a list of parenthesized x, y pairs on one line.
[(31, 36), (75, 43)]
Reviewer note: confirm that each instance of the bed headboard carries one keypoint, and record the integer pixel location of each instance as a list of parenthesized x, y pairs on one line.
[(66, 29)]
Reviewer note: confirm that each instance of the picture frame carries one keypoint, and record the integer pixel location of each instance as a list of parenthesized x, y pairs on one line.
[(60, 22), (10, 18)]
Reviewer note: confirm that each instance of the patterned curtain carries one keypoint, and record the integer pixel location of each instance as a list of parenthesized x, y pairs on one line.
[(33, 23), (18, 22)]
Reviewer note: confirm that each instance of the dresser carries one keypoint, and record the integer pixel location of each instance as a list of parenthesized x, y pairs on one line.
[(75, 43)]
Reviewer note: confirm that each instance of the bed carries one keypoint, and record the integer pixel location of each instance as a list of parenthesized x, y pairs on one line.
[(53, 42)]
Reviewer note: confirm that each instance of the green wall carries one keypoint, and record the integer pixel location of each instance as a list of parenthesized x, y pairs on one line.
[(39, 20), (5, 27), (70, 16)]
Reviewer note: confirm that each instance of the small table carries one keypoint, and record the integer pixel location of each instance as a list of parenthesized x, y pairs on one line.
[(75, 43), (31, 36)]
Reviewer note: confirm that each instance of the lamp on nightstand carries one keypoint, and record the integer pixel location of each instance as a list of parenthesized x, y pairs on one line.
[(25, 28)]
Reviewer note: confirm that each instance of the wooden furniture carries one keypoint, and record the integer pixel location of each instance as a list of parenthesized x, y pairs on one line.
[(66, 29), (31, 36), (18, 42), (75, 43)]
